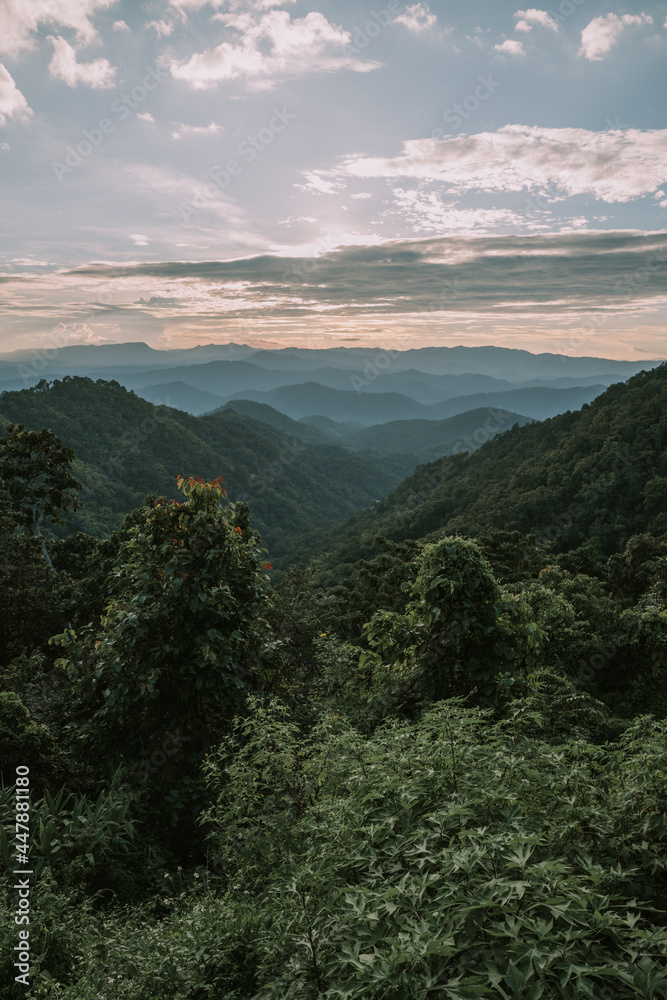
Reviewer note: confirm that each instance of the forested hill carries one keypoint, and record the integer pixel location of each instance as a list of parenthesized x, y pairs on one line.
[(595, 475), (128, 448)]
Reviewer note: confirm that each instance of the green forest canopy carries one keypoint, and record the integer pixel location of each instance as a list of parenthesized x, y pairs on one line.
[(432, 767)]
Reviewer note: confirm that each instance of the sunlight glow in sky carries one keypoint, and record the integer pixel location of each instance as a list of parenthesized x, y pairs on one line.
[(277, 172)]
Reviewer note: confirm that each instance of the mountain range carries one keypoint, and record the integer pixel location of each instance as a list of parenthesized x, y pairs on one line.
[(367, 385), (596, 476), (295, 477)]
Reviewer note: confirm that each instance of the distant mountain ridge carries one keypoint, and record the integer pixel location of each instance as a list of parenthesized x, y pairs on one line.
[(127, 448), (296, 478), (498, 362), (425, 440), (597, 475), (310, 399)]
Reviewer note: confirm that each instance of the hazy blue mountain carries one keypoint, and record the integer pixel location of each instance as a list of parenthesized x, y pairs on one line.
[(607, 379), (226, 377), (181, 396), (309, 399), (429, 440), (93, 356), (496, 362), (536, 403), (273, 418), (218, 377), (424, 440), (336, 429)]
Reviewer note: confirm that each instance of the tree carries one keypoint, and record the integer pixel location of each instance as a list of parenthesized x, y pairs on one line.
[(176, 650), (35, 470), (36, 482), (461, 633)]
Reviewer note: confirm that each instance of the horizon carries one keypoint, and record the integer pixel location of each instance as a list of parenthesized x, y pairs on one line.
[(295, 174), (28, 353)]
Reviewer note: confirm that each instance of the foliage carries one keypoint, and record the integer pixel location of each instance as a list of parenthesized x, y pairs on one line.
[(21, 740), (31, 607), (177, 647), (71, 832), (454, 856), (425, 768), (36, 483), (460, 633), (35, 470)]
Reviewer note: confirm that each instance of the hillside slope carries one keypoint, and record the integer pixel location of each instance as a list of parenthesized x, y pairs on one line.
[(598, 474), (128, 448), (429, 440)]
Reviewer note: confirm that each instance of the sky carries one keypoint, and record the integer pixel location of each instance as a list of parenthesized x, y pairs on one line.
[(282, 172)]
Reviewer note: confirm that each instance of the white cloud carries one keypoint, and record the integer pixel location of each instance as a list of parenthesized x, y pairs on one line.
[(20, 19), (233, 5), (510, 47), (361, 196), (161, 28), (146, 116), (428, 213), (600, 36), (614, 166), (316, 183), (533, 16), (417, 17), (197, 130), (63, 66), (270, 48), (12, 102), (121, 26), (139, 239), (5, 147)]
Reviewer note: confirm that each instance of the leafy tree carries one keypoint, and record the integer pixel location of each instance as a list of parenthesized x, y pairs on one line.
[(35, 470), (461, 632), (30, 608), (177, 647), (36, 483)]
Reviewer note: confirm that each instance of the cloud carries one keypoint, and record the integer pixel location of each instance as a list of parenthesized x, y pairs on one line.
[(572, 273), (195, 130), (161, 28), (511, 47), (121, 26), (271, 48), (316, 183), (146, 116), (139, 239), (12, 102), (233, 5), (20, 19), (417, 17), (97, 74), (614, 166), (426, 212), (600, 36), (533, 16)]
